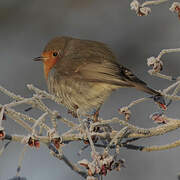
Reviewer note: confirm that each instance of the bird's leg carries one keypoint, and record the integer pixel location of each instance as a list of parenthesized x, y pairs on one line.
[(73, 113), (96, 115), (90, 118)]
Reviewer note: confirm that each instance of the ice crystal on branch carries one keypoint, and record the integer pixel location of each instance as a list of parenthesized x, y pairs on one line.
[(143, 10), (175, 7), (140, 11), (155, 63)]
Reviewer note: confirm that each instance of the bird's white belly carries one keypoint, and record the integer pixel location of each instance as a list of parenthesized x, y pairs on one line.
[(80, 94)]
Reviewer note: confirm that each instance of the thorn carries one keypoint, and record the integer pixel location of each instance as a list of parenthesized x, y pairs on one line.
[(28, 109)]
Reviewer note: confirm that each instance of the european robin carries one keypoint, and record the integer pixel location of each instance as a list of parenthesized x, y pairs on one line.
[(84, 73)]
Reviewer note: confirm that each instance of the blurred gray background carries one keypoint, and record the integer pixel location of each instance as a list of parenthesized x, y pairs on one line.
[(26, 26)]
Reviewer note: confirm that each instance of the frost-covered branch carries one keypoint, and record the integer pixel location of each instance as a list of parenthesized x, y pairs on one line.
[(144, 9), (93, 134)]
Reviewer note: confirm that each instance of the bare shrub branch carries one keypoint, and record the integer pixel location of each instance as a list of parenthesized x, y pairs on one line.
[(95, 134)]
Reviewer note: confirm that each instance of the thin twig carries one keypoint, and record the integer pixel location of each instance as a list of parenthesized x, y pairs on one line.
[(159, 75), (137, 102), (118, 137), (166, 51), (171, 87), (1, 115), (73, 166), (153, 2), (38, 121), (20, 160)]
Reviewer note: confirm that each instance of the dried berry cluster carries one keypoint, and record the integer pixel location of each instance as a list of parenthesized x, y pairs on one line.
[(101, 164), (143, 10)]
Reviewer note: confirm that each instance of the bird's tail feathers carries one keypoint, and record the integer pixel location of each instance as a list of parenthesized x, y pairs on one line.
[(148, 90)]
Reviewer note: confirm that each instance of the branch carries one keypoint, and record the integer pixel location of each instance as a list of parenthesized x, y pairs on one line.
[(94, 134)]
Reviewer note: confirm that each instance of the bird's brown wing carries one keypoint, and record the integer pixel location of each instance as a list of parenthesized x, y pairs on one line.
[(94, 62), (96, 69), (130, 77)]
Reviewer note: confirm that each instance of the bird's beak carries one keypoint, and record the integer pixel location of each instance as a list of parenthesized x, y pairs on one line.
[(40, 58)]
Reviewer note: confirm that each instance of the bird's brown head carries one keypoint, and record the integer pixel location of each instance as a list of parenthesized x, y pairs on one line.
[(52, 53)]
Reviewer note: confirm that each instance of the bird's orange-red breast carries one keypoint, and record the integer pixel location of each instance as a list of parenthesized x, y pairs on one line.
[(83, 73)]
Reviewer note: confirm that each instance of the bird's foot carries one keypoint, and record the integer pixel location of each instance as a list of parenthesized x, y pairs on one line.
[(94, 117), (94, 138), (74, 114)]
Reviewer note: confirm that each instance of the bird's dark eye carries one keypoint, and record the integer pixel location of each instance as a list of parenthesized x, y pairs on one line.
[(55, 54)]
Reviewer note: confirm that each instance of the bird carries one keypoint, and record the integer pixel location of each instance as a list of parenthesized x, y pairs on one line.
[(83, 73)]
